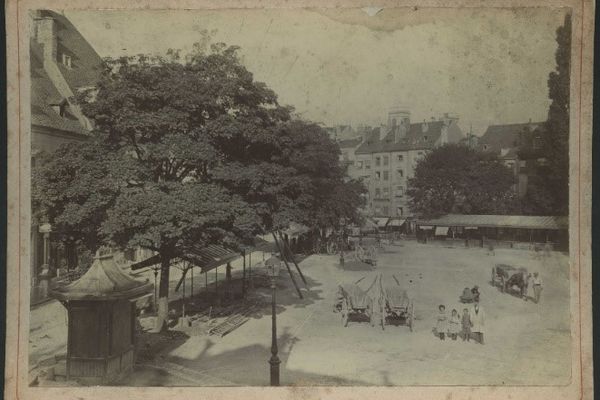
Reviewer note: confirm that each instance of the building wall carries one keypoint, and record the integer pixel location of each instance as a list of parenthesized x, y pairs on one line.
[(387, 180)]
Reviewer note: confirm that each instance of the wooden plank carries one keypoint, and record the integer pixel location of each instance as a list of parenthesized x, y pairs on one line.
[(289, 251), (287, 266)]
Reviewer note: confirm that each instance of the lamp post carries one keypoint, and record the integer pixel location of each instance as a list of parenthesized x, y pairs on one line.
[(273, 265)]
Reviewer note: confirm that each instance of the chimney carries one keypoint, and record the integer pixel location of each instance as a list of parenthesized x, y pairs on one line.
[(45, 34)]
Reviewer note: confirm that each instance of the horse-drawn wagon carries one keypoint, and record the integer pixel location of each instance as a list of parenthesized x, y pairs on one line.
[(397, 307), (354, 303), (507, 277)]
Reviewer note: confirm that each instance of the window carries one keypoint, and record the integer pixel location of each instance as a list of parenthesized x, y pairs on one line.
[(399, 211), (377, 210), (425, 138), (377, 193), (399, 191), (400, 158), (522, 163), (367, 164), (377, 161), (386, 160), (386, 192), (359, 164), (485, 147), (378, 175), (400, 173), (386, 210), (66, 60), (386, 175)]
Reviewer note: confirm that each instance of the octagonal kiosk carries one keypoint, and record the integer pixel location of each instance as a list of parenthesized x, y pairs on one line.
[(101, 308)]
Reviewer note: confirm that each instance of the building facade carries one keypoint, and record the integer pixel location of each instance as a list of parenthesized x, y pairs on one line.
[(387, 157), (62, 64), (518, 146)]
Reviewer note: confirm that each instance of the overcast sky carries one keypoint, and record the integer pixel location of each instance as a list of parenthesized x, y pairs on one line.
[(488, 66)]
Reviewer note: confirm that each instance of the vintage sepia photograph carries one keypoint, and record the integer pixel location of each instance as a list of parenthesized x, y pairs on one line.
[(254, 197)]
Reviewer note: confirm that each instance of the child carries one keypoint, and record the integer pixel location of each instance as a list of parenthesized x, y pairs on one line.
[(466, 325), (442, 323), (454, 327)]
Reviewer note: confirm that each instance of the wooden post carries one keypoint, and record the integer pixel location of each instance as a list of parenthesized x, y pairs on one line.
[(244, 274), (206, 280), (250, 270), (183, 299), (288, 251), (192, 282), (287, 266)]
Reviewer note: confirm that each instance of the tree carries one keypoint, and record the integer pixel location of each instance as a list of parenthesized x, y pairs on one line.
[(555, 141), (186, 152), (145, 179), (457, 179)]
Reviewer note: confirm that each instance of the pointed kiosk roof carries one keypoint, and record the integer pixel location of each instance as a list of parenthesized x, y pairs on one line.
[(105, 280)]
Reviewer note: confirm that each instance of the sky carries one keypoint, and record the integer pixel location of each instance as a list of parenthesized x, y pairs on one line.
[(489, 66)]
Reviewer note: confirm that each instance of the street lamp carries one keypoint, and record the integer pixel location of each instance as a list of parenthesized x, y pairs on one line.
[(273, 265)]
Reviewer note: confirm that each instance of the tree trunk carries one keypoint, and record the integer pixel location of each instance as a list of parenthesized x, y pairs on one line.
[(163, 296)]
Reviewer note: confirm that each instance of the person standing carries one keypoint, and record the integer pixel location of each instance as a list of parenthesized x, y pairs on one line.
[(537, 287), (466, 325), (454, 325), (478, 322), (442, 322)]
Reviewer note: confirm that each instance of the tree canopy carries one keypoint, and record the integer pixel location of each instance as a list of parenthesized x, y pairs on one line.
[(187, 152), (457, 179), (555, 141)]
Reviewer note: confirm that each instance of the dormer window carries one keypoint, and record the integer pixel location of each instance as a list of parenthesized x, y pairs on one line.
[(66, 60), (60, 108)]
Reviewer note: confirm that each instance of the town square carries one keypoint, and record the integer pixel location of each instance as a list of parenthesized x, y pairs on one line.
[(310, 197)]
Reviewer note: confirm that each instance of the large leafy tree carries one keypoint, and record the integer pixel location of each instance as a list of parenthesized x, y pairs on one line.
[(457, 179), (186, 152), (555, 141)]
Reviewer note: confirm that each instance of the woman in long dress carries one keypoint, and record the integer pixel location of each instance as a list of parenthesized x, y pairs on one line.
[(442, 322)]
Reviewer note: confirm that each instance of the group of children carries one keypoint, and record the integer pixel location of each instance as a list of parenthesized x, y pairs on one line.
[(457, 325)]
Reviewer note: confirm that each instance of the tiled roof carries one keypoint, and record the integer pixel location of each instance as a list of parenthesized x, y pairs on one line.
[(349, 143), (498, 137), (500, 221), (86, 64), (86, 67), (422, 135), (105, 280)]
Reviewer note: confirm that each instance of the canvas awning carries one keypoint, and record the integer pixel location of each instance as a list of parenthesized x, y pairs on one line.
[(368, 225), (425, 227), (295, 230), (381, 222), (441, 231), (397, 221)]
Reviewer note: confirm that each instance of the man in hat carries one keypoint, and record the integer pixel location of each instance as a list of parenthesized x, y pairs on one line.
[(478, 322)]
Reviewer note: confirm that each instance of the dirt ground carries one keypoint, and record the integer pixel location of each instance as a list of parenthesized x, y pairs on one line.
[(525, 343)]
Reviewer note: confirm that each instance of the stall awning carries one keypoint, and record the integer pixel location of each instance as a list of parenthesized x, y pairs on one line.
[(441, 231), (206, 258), (295, 230), (397, 221), (381, 222), (425, 227), (501, 221)]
